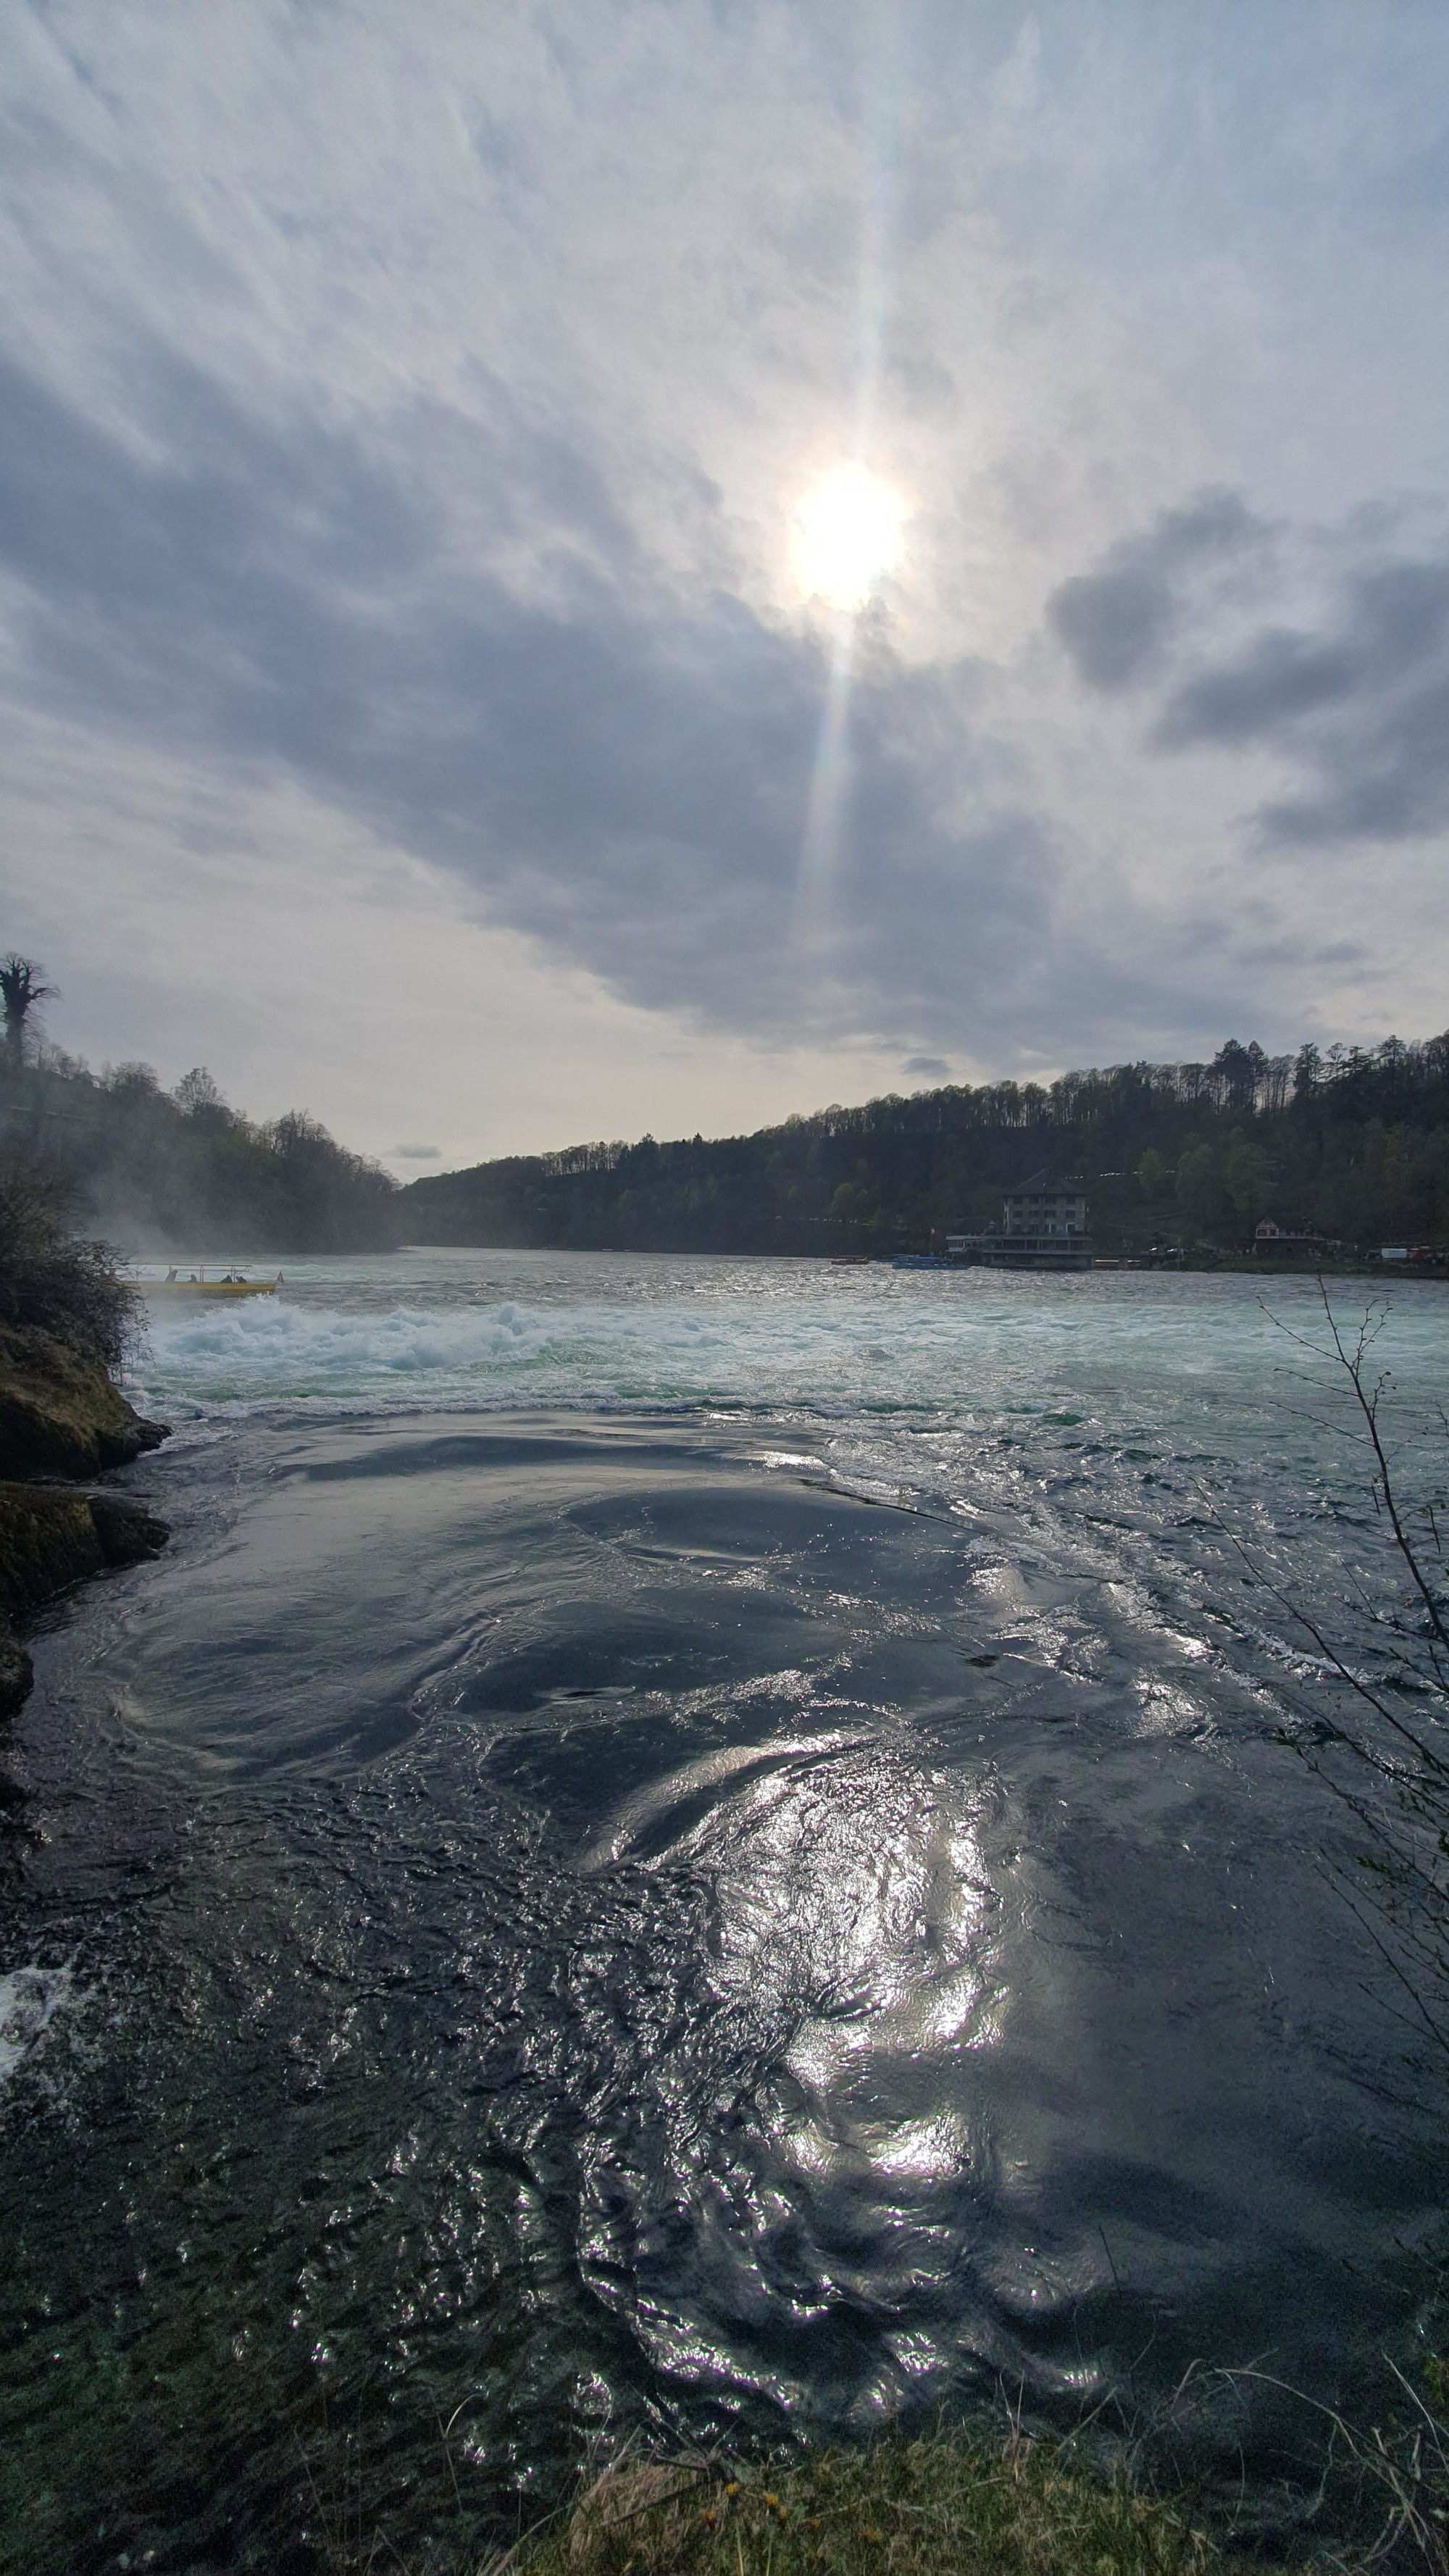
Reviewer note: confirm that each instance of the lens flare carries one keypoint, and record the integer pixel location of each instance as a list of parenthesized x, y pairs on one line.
[(847, 535)]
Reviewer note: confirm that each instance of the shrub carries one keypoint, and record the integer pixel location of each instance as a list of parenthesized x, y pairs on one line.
[(52, 1280)]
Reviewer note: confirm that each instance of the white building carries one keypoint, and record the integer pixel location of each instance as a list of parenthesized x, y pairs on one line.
[(1042, 1206), (1044, 1227)]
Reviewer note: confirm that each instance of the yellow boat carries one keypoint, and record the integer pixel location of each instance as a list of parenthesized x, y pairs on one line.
[(209, 1288)]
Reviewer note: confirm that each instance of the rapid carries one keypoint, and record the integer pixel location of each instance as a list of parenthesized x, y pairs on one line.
[(705, 1849)]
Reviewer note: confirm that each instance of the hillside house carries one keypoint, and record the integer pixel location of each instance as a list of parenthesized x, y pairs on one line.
[(1287, 1242), (1043, 1227)]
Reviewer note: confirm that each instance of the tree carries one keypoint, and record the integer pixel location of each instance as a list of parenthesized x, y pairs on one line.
[(1235, 1070), (1307, 1072), (21, 987), (1392, 1731), (1378, 1737), (1248, 1177), (1200, 1185), (197, 1094)]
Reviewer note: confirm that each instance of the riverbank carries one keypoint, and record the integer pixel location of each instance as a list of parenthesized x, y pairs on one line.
[(990, 2498), (998, 2505), (61, 1416)]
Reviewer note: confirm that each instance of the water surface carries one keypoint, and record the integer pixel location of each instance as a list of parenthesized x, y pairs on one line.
[(702, 1847)]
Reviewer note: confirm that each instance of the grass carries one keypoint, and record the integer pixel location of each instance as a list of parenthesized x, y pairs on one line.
[(1008, 2508), (993, 2505), (987, 2500)]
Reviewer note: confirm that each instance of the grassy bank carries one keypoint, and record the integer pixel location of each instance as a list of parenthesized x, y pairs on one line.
[(988, 2501), (1004, 2508)]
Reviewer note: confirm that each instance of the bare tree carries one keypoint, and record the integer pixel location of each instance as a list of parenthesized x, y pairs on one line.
[(21, 987), (1378, 1737), (1383, 1745)]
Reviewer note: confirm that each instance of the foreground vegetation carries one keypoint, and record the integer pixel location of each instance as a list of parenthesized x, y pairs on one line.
[(1352, 1143), (51, 1279), (1002, 2508), (988, 2502)]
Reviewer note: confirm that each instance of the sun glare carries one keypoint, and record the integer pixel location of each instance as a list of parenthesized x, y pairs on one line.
[(847, 536)]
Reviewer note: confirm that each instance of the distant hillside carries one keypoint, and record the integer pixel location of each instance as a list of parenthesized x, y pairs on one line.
[(1354, 1142), (180, 1171)]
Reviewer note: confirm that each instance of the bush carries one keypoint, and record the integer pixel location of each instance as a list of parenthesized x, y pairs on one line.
[(51, 1280)]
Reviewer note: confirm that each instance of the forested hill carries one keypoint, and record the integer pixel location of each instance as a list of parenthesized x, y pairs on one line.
[(1353, 1142), (181, 1172)]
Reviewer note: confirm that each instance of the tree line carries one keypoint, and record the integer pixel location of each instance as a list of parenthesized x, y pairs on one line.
[(1351, 1143), (180, 1170)]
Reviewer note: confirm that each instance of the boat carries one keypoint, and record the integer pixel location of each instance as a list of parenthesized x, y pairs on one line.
[(211, 1289)]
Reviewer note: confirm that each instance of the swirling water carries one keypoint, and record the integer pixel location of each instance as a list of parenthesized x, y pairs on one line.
[(696, 1847)]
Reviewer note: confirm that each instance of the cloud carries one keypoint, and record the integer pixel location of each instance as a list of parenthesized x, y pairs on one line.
[(1113, 624), (1359, 702), (416, 1153), (622, 774), (404, 430), (1280, 677), (927, 1068), (1354, 694), (1117, 622)]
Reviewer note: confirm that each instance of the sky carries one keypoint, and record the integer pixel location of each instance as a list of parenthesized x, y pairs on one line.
[(572, 570)]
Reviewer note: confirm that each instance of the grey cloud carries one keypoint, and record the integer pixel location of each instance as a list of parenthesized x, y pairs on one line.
[(1117, 621), (621, 776), (927, 1068), (417, 1153), (1362, 707), (1112, 624), (1357, 700), (1281, 676)]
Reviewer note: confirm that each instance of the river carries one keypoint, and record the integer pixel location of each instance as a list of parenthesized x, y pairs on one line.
[(697, 1848)]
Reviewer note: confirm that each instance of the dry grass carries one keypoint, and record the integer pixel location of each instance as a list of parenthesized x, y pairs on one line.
[(988, 2502), (997, 2508)]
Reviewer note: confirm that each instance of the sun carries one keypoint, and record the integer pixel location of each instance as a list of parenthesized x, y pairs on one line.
[(847, 536)]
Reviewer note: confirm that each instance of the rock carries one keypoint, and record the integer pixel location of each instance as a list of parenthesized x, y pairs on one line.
[(51, 1537), (60, 1415), (17, 1673), (48, 1539), (128, 1533)]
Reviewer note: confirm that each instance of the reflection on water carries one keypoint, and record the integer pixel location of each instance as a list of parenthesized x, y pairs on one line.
[(688, 1925)]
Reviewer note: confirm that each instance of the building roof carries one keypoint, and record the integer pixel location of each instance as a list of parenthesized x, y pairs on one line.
[(1041, 1185)]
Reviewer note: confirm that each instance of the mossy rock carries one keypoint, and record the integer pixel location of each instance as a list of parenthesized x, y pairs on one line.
[(60, 1415), (51, 1538)]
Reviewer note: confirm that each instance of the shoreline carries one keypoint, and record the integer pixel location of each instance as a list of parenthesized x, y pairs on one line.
[(63, 1424)]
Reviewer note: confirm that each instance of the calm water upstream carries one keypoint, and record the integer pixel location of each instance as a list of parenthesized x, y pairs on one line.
[(699, 1846)]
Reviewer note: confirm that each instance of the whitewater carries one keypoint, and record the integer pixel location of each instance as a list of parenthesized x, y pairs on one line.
[(696, 1849), (462, 1326)]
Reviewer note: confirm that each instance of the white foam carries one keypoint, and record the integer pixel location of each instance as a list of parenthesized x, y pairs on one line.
[(30, 1998), (514, 1350), (431, 1331)]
